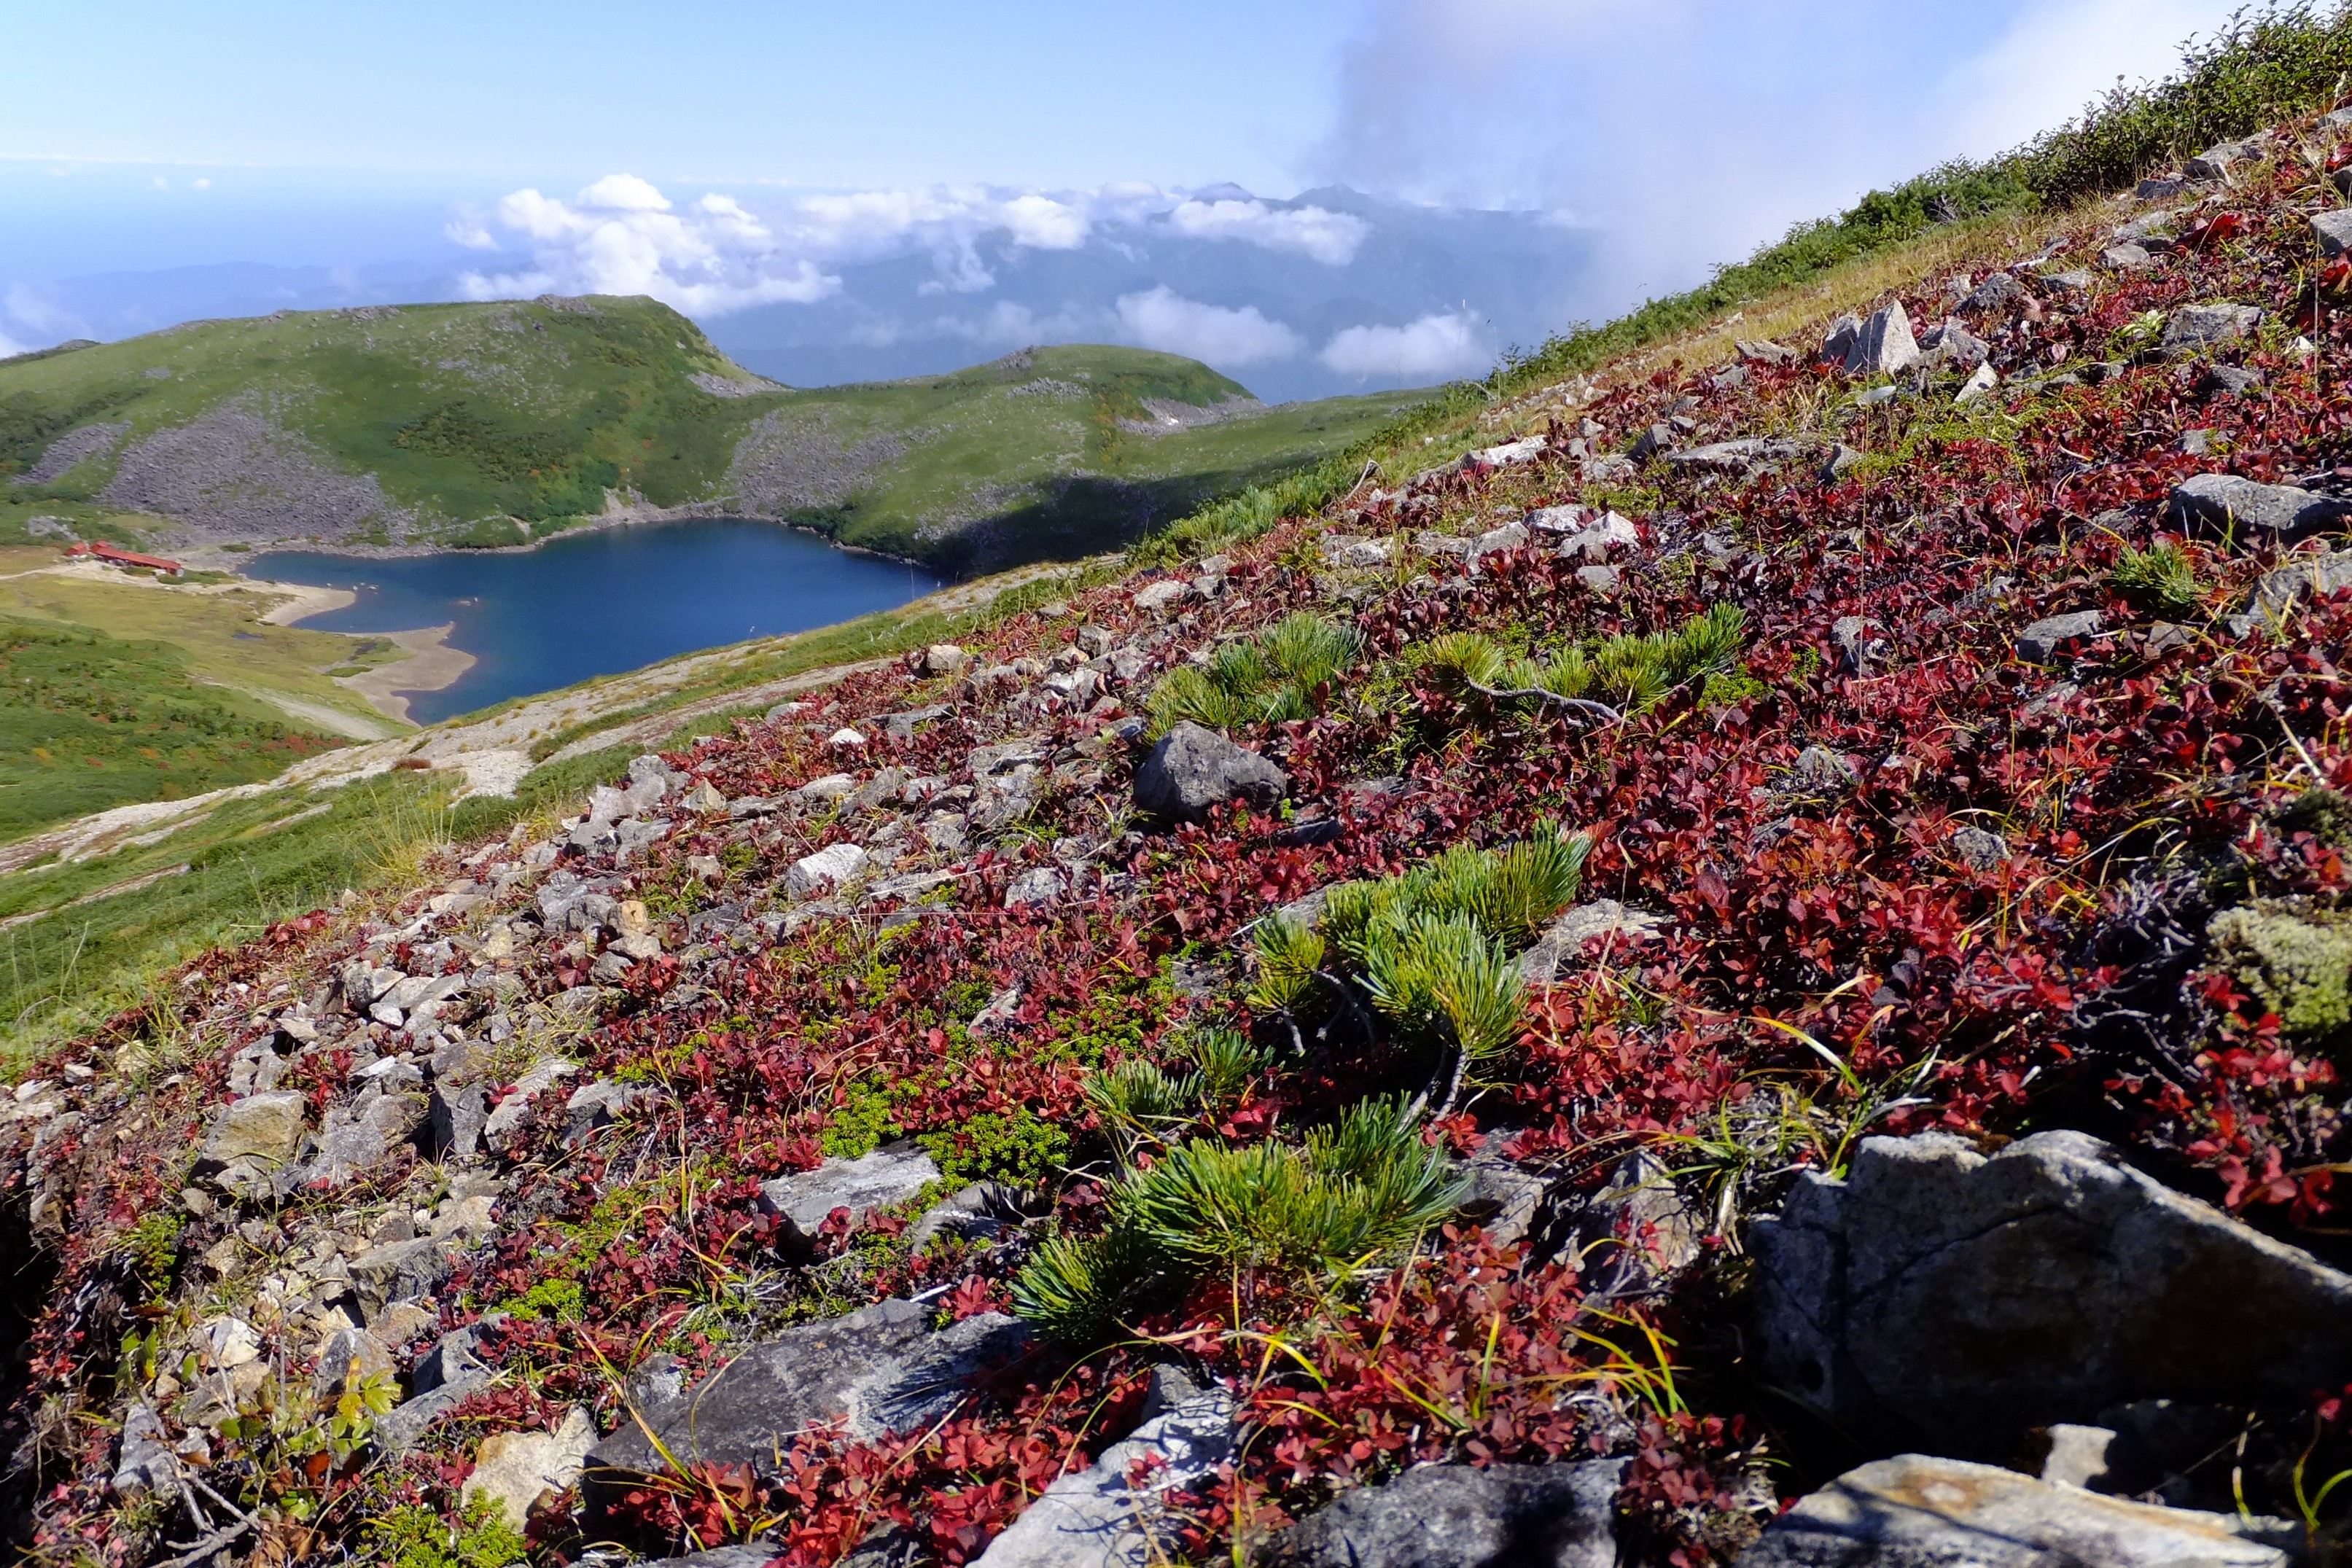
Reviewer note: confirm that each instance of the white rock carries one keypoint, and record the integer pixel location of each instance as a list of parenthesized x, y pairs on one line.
[(1160, 596), (1980, 384), (844, 739), (517, 1468), (832, 786), (829, 867), (1099, 1518), (1523, 450)]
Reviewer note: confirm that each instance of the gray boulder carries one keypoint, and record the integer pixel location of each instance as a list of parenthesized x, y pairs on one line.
[(883, 1368), (1099, 1518), (2224, 503), (2197, 326), (252, 1140), (1452, 1516), (1194, 769), (1936, 1295), (1917, 1512), (2333, 229), (802, 1202), (2281, 590), (2039, 643)]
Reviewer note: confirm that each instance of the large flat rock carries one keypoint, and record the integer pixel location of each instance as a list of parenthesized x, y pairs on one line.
[(1936, 1297), (884, 1369), (1916, 1512), (1454, 1516)]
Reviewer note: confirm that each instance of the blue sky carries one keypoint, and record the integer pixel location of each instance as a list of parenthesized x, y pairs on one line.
[(732, 156)]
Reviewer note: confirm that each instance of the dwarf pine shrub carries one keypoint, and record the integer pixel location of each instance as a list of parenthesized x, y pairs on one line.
[(1263, 680), (1362, 1189), (1630, 669), (2161, 577), (1432, 949)]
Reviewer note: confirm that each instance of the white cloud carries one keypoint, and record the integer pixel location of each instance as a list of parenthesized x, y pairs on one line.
[(622, 235), (1164, 319), (1434, 349), (48, 320), (1328, 237), (1044, 223), (1693, 130), (623, 193), (716, 254)]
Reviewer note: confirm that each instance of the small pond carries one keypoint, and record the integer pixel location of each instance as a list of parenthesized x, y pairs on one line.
[(598, 603)]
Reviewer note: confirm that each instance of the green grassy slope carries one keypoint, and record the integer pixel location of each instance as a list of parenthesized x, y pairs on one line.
[(490, 424), (88, 721)]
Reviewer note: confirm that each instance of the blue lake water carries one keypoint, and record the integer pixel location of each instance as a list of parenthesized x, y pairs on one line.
[(598, 603)]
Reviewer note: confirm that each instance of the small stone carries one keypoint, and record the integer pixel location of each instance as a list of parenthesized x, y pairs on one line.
[(802, 1202), (944, 658), (1600, 579), (1764, 352), (1161, 597), (2127, 257), (704, 797), (2280, 591), (1977, 848), (831, 787), (2078, 1455), (1819, 770), (846, 739), (1980, 384), (2202, 443), (2076, 283), (2159, 190), (1041, 885), (2201, 326), (515, 1470), (1657, 439), (2039, 643), (2227, 381), (350, 1353), (2216, 162), (1101, 1517), (1998, 289), (1564, 941), (833, 866)]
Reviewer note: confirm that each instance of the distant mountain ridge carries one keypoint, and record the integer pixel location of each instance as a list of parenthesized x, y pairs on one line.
[(912, 309), (490, 424)]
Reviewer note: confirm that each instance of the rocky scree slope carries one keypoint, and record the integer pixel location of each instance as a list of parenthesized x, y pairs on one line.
[(1754, 972)]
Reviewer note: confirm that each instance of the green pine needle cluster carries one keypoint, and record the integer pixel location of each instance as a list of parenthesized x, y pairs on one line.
[(1261, 680), (1632, 670), (2161, 577), (1433, 947), (1360, 1190)]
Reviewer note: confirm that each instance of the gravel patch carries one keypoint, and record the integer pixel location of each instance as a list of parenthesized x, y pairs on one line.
[(791, 461)]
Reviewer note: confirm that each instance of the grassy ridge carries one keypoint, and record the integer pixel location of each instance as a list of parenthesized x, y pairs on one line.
[(489, 424)]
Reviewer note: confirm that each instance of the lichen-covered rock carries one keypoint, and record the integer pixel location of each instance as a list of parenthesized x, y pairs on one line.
[(515, 1470), (1939, 1297), (1917, 1512), (2296, 963), (1194, 769), (1455, 1516), (883, 1369)]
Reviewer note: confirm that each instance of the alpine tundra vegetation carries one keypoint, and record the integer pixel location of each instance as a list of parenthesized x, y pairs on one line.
[(1730, 946)]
